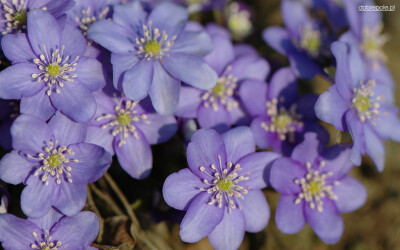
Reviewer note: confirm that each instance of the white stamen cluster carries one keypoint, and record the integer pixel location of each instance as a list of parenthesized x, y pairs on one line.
[(310, 40), (283, 122), (372, 44), (47, 244), (224, 187), (88, 17), (154, 44), (13, 13), (123, 120), (365, 103), (314, 188), (55, 69), (54, 163), (222, 93)]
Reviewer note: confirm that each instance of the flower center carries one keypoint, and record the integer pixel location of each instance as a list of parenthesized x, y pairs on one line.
[(311, 40), (14, 15), (54, 160), (20, 17), (365, 103), (53, 69), (314, 187), (152, 47), (224, 187), (87, 17), (372, 43), (122, 121), (282, 122), (219, 89), (56, 69), (362, 103), (54, 163), (222, 93), (239, 20), (47, 244), (153, 44)]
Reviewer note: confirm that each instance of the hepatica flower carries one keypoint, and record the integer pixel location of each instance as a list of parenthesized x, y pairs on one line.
[(360, 104), (53, 231), (54, 163), (315, 188), (304, 41), (127, 128), (365, 34), (13, 13), (86, 12), (49, 72), (220, 191), (152, 53), (221, 106), (281, 117)]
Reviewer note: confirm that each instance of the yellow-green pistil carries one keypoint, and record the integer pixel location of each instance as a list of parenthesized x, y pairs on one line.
[(20, 17), (219, 89), (54, 161), (315, 187), (53, 69), (362, 103), (283, 120), (225, 185), (152, 47), (124, 119)]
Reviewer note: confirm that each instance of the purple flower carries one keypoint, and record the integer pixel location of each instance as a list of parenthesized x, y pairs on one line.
[(4, 197), (152, 53), (128, 128), (221, 106), (49, 72), (13, 13), (365, 34), (86, 12), (53, 231), (221, 191), (54, 163), (304, 41), (360, 104), (315, 188), (280, 116)]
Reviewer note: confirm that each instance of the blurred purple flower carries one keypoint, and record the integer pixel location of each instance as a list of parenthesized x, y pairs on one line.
[(365, 34), (152, 53), (54, 163), (281, 117), (4, 197), (49, 71), (360, 104), (13, 13), (315, 188), (221, 191), (221, 106), (128, 128), (304, 40), (53, 231)]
